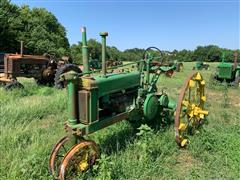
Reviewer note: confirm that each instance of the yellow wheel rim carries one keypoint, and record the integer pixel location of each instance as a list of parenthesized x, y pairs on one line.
[(190, 112)]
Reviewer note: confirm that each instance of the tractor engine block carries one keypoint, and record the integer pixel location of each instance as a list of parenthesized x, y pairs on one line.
[(117, 102)]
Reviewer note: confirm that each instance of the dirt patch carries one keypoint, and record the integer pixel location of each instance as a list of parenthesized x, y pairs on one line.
[(185, 162)]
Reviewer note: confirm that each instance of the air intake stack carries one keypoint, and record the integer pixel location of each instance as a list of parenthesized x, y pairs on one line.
[(85, 50), (104, 35)]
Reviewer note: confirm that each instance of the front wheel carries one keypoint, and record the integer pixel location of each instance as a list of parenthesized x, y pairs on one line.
[(79, 159)]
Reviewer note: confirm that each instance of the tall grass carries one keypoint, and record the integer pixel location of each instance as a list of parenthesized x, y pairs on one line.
[(31, 122)]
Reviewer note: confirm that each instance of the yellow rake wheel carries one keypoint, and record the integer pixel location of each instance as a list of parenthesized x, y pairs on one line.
[(79, 159), (190, 112)]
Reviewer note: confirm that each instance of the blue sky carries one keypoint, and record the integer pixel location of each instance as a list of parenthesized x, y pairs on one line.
[(173, 24)]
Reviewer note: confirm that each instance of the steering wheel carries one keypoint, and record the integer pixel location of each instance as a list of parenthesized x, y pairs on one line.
[(147, 53)]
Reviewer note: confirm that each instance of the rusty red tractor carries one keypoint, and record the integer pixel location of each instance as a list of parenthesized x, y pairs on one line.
[(45, 69), (96, 101)]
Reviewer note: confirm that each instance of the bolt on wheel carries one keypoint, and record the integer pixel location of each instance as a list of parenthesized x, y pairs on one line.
[(190, 112), (79, 159)]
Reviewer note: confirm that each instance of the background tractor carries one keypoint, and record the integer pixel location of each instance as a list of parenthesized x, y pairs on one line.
[(200, 65), (229, 72), (46, 69), (96, 101), (95, 64), (159, 60)]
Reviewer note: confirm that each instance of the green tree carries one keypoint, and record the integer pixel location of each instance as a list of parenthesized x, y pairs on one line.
[(76, 53), (38, 28), (42, 32), (8, 23)]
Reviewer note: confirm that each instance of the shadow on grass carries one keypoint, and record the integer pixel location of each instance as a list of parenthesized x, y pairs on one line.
[(118, 141)]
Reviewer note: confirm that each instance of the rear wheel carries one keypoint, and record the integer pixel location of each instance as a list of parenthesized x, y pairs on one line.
[(190, 111), (40, 81), (59, 84)]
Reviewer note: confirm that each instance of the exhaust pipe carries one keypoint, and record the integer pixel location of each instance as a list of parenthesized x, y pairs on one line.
[(104, 35), (235, 60), (21, 48), (85, 50)]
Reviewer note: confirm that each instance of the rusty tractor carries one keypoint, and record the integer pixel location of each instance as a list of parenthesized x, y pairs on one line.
[(45, 69), (96, 101)]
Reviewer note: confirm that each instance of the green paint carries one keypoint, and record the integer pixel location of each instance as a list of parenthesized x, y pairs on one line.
[(150, 107), (172, 104), (104, 35), (115, 82), (85, 51), (93, 105), (225, 70), (163, 100), (166, 102), (72, 105), (91, 128)]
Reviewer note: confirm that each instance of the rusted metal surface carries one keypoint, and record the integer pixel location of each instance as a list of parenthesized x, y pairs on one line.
[(16, 65), (70, 158), (53, 161)]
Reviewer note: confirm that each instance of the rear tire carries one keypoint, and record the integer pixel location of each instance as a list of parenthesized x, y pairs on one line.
[(40, 81), (59, 84)]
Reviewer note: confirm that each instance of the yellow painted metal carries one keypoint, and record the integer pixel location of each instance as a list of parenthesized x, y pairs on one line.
[(182, 127), (203, 98), (203, 83), (191, 84), (198, 77), (193, 103), (83, 164), (184, 142), (185, 103)]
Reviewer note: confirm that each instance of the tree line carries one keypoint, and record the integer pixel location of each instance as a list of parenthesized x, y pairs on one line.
[(42, 33)]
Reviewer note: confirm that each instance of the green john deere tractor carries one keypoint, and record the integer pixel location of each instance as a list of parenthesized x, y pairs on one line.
[(200, 65), (98, 100), (229, 72)]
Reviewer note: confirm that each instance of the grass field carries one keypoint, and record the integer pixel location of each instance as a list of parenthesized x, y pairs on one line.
[(31, 122)]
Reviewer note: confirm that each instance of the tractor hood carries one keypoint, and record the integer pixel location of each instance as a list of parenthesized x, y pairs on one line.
[(111, 83)]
